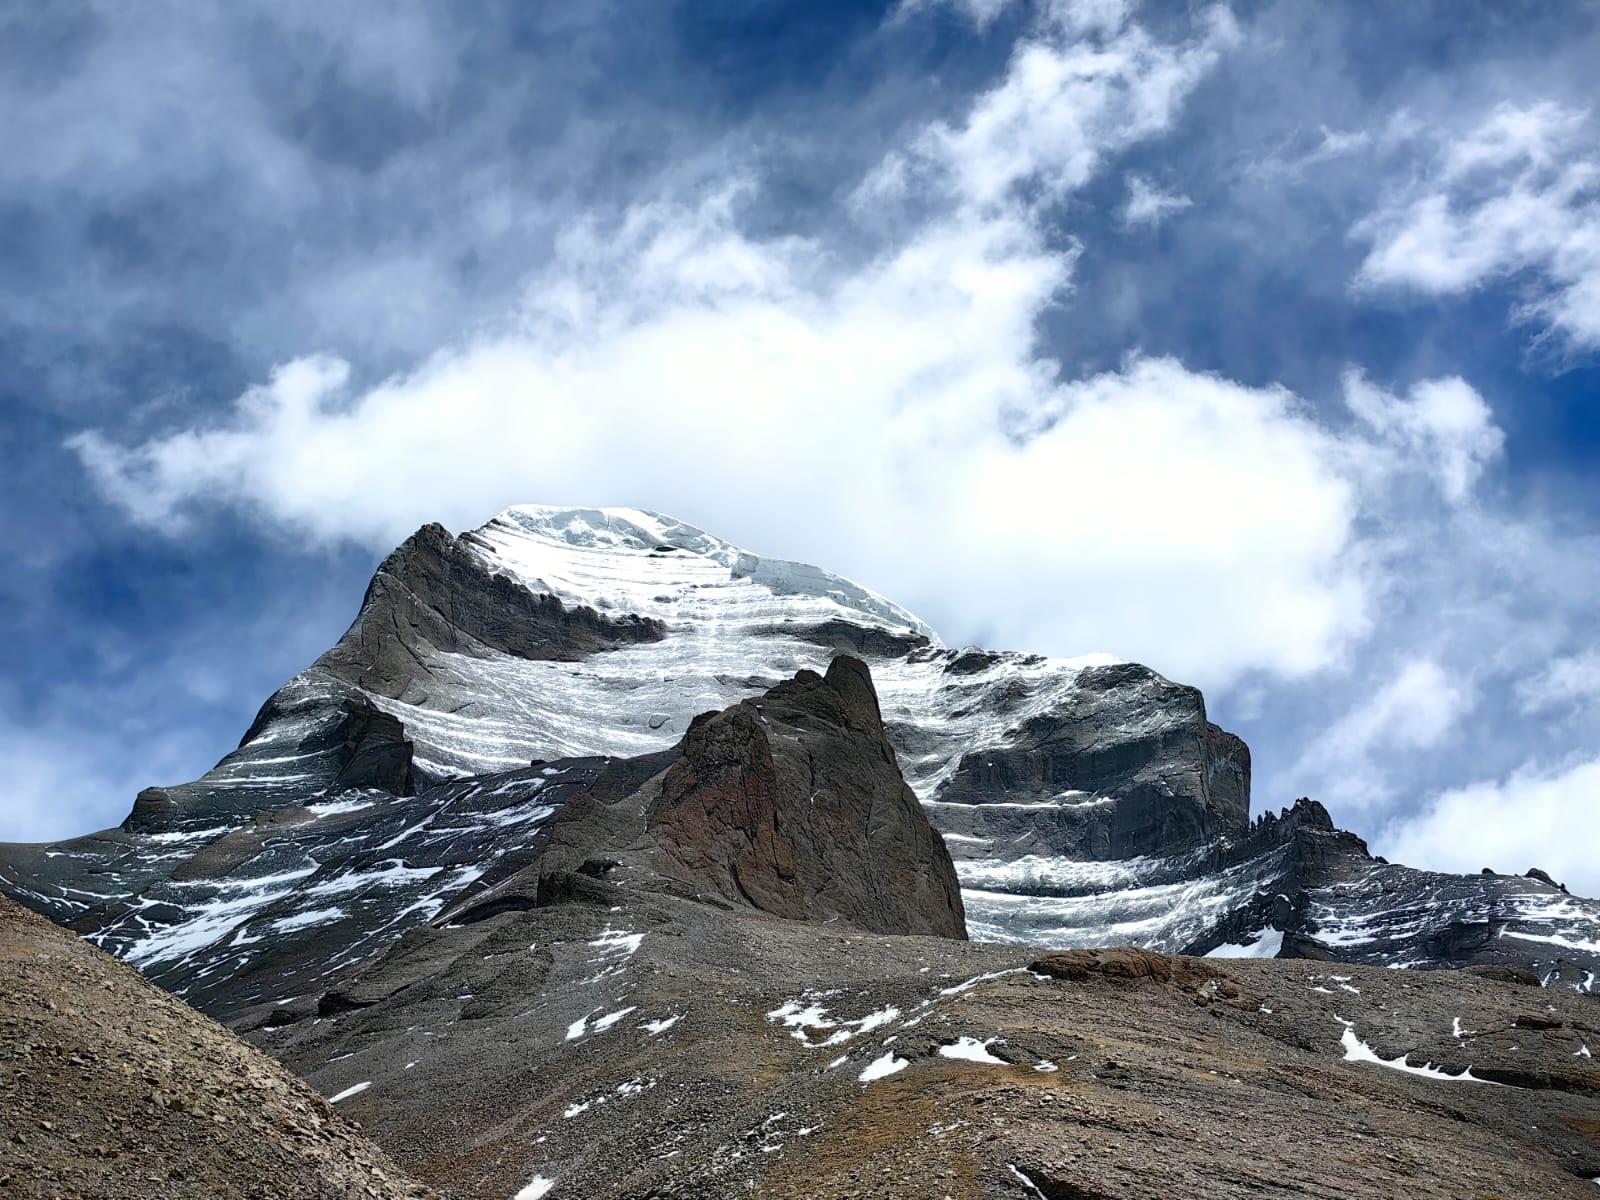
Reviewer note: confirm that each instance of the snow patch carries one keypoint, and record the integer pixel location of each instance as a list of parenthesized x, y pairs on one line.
[(350, 1091), (615, 944), (1355, 1050), (1554, 939), (972, 1050), (1265, 943), (305, 920), (537, 1188), (805, 1014), (610, 1019), (886, 1064)]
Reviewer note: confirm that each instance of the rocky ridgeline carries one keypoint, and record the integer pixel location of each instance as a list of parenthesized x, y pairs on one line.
[(790, 804), (559, 899), (490, 678)]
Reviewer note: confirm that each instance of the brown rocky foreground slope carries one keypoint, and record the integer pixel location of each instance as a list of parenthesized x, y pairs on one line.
[(613, 1042), (110, 1088)]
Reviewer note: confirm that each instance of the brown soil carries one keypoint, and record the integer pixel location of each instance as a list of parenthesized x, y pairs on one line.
[(110, 1089)]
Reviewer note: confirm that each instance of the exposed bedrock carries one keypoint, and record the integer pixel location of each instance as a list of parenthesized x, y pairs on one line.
[(1125, 765), (795, 803), (434, 595), (792, 804)]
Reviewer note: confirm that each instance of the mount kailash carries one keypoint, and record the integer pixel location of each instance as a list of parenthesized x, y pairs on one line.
[(591, 819)]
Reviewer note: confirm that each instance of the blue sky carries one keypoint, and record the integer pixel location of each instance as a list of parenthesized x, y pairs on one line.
[(1260, 343)]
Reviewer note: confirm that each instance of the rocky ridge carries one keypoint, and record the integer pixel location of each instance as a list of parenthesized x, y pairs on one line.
[(790, 803)]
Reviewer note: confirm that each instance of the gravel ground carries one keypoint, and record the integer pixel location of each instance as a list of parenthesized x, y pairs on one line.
[(110, 1089), (655, 1047)]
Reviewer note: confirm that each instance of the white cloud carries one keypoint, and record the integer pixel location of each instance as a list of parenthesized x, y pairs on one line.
[(856, 413), (892, 415), (1149, 205), (1567, 683), (1444, 422), (873, 422), (1084, 86), (1534, 818), (1517, 194), (1416, 709)]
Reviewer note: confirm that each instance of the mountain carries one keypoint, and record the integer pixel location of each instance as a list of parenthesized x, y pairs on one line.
[(490, 678), (602, 859), (113, 1090)]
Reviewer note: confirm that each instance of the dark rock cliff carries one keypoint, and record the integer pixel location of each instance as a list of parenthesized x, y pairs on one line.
[(433, 595), (795, 804), (1127, 765)]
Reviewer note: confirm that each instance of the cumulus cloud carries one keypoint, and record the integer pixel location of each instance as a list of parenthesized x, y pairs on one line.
[(1537, 817), (673, 360), (1516, 195), (864, 419)]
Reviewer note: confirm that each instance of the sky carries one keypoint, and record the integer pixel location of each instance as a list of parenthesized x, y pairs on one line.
[(1259, 343)]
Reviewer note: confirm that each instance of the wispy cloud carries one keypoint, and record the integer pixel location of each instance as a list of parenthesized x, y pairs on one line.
[(1148, 205), (1516, 195)]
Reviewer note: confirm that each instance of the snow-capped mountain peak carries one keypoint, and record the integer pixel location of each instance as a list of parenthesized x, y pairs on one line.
[(631, 560)]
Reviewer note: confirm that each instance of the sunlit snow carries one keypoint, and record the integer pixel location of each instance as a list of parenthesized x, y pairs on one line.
[(886, 1064), (972, 1050), (1264, 944)]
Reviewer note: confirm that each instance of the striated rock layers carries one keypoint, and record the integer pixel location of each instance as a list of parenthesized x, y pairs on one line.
[(493, 678), (789, 804)]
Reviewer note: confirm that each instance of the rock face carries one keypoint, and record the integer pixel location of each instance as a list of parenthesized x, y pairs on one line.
[(1150, 787), (1084, 802), (113, 1090), (434, 596), (795, 804)]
